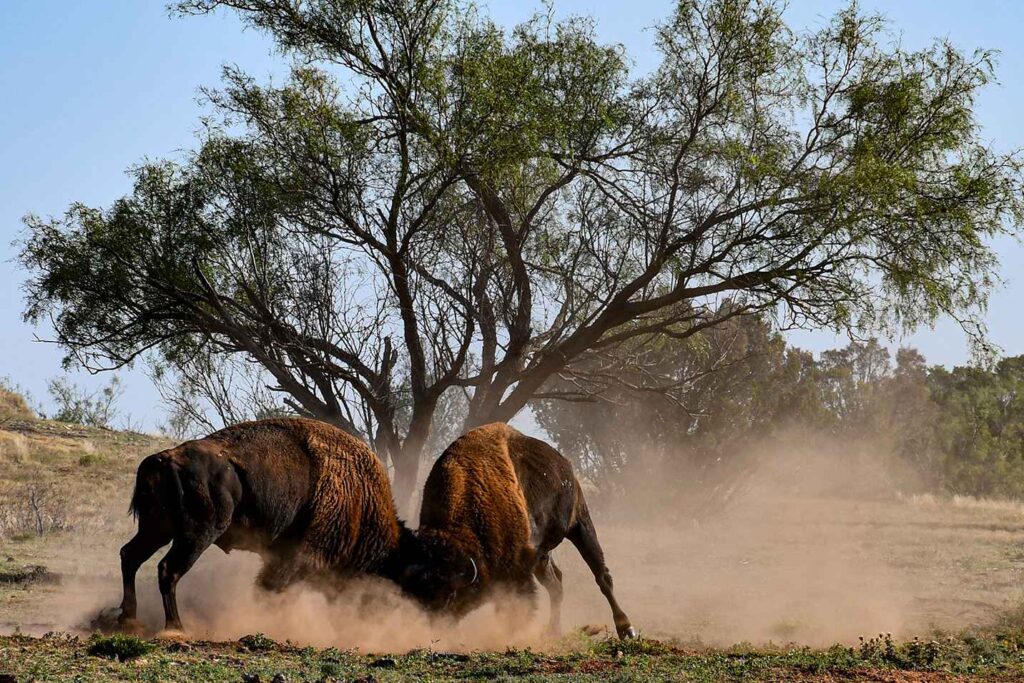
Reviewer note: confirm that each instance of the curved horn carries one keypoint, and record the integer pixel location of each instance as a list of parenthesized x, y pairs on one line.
[(475, 572)]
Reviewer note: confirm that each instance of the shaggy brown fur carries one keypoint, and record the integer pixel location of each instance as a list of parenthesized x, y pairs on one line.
[(495, 505), (311, 499)]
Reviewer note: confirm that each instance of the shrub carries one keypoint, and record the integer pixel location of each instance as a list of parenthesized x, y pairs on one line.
[(12, 403), (256, 642), (90, 459), (118, 646), (33, 510), (78, 406)]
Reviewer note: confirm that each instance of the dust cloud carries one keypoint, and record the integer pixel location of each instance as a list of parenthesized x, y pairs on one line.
[(219, 601), (798, 541), (777, 548)]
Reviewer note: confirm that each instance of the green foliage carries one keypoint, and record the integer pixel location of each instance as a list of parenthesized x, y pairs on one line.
[(981, 431), (982, 657), (91, 460), (257, 642), (77, 406), (633, 647), (118, 646)]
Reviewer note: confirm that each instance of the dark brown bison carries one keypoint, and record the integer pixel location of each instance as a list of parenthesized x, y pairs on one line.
[(309, 498), (495, 505)]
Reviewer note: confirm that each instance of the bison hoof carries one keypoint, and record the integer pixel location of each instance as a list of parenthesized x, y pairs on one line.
[(130, 625), (107, 621), (172, 633), (628, 633)]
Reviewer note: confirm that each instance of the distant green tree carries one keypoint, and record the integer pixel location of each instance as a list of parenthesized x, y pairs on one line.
[(914, 416), (433, 204), (884, 408), (851, 381), (981, 429)]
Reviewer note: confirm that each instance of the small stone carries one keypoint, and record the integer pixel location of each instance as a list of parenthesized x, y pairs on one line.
[(250, 678), (279, 678)]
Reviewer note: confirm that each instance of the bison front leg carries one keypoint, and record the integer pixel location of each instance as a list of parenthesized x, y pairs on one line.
[(584, 537), (285, 563), (277, 574), (550, 576), (179, 559)]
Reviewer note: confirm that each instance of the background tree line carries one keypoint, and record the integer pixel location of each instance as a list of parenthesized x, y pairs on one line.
[(959, 431)]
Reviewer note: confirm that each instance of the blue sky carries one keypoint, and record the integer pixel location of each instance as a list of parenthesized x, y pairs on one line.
[(91, 88)]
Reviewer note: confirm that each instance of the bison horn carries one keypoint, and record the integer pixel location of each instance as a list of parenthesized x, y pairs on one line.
[(475, 572)]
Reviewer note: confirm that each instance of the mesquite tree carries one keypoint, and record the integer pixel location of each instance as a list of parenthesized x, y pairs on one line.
[(433, 204)]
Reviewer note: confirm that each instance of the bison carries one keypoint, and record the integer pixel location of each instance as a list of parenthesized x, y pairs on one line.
[(309, 498), (495, 505)]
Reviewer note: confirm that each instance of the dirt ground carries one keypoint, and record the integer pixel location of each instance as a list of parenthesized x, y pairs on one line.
[(815, 571), (774, 567)]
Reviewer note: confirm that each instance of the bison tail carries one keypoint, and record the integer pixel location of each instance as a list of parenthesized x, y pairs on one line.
[(135, 504), (157, 486)]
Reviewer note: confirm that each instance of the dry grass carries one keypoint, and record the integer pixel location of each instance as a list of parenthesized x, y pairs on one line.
[(13, 406), (14, 448), (929, 500)]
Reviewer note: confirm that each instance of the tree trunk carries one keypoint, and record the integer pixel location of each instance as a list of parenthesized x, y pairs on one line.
[(406, 461)]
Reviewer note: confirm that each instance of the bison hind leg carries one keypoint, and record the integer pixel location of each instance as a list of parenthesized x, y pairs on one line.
[(184, 552), (550, 576), (584, 537), (151, 537)]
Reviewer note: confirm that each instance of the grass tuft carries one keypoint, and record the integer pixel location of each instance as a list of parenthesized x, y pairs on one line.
[(632, 647), (91, 460), (118, 646), (257, 642)]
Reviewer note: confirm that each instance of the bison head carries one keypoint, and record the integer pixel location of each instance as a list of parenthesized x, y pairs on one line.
[(438, 577)]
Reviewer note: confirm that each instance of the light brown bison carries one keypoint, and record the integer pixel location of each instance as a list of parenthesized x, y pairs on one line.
[(495, 505), (309, 498)]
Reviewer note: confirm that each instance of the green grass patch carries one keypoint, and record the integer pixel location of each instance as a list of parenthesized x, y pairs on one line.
[(257, 642), (119, 646), (91, 460), (982, 657)]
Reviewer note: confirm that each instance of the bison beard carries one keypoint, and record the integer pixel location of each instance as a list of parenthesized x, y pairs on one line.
[(495, 505), (312, 500)]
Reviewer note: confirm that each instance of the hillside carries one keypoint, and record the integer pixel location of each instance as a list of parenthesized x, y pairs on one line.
[(64, 493)]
